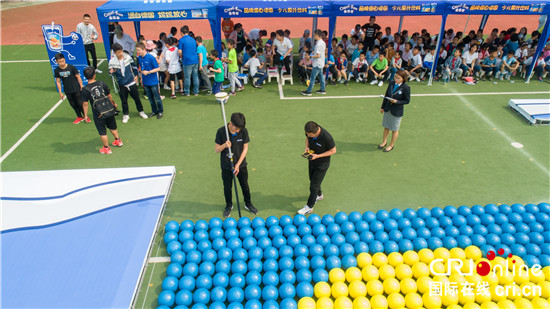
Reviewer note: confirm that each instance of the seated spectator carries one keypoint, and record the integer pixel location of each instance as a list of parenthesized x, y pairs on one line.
[(360, 65), (261, 57), (523, 53), (269, 54), (512, 44), (305, 65), (344, 41), (399, 44), (522, 35), (540, 67), (459, 35), (388, 35), (469, 58), (373, 54), (396, 63), (420, 44), (341, 67), (384, 43), (378, 38), (407, 52), (449, 35), (357, 31), (500, 39), (246, 54), (339, 51), (452, 66), (483, 52), (352, 46), (358, 50), (428, 61), (254, 66), (533, 41), (334, 47), (390, 52), (509, 65), (329, 65), (414, 67), (287, 34), (305, 38), (479, 36), (451, 47), (492, 37), (272, 37), (489, 65), (414, 38), (378, 70)]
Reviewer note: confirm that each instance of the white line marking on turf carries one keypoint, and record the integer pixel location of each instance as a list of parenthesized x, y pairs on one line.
[(150, 278), (23, 61), (159, 259), (22, 139), (413, 95), (281, 93), (492, 125)]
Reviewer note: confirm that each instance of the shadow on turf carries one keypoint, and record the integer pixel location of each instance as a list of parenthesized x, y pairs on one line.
[(82, 147), (343, 147), (55, 120), (517, 116)]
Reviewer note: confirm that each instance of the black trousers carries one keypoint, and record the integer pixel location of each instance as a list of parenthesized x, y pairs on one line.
[(134, 93), (316, 176), (227, 177), (76, 103), (303, 72), (90, 48), (384, 76), (286, 61)]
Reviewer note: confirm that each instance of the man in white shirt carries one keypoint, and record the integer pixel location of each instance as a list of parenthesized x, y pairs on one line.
[(357, 31), (256, 35), (284, 46), (89, 34), (318, 64), (128, 44)]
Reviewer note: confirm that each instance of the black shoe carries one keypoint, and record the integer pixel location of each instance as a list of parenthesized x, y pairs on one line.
[(333, 83), (386, 150), (227, 211), (381, 146), (346, 83), (321, 92), (306, 93), (151, 115), (159, 115), (251, 208), (257, 86)]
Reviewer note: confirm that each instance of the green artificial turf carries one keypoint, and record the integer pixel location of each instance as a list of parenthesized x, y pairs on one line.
[(446, 154)]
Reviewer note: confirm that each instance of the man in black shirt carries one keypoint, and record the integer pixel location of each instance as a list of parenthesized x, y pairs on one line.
[(72, 83), (322, 144), (370, 30), (239, 147)]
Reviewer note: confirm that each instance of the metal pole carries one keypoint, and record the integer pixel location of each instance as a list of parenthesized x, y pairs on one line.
[(314, 26), (466, 26), (231, 158), (438, 47), (400, 24)]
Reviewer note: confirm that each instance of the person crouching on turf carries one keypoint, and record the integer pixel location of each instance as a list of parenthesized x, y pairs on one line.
[(122, 66), (95, 92), (320, 145), (239, 147)]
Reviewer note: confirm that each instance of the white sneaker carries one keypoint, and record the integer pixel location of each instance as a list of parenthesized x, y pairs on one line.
[(381, 83), (98, 71), (373, 82), (305, 211), (497, 74), (411, 78), (166, 87), (162, 97), (417, 79), (319, 198), (143, 115), (125, 118), (508, 75), (358, 79)]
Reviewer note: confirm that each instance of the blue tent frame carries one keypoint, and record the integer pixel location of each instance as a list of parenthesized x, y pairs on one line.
[(151, 10)]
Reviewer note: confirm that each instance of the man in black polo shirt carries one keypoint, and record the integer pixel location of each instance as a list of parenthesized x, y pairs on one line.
[(322, 144), (239, 147), (370, 30), (72, 83)]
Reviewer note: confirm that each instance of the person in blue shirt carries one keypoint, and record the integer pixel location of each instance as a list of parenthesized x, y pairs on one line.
[(188, 51), (149, 68), (512, 44), (373, 55), (203, 65), (329, 65), (489, 64)]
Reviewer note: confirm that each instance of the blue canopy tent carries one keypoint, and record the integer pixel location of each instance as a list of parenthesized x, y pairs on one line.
[(518, 7), (150, 10)]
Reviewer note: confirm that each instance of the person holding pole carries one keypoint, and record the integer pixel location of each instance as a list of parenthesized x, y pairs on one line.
[(232, 144)]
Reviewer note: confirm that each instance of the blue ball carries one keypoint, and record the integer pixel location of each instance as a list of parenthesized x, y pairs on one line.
[(214, 305), (409, 213), (542, 218), (218, 243), (245, 232), (215, 223), (289, 303), (173, 246), (204, 282), (423, 213), (243, 222), (518, 249), (170, 237), (301, 250), (544, 207), (287, 276), (420, 243), (546, 235), (320, 275), (170, 283), (185, 235), (491, 209), (531, 260), (450, 211), (431, 222), (437, 212), (294, 240), (333, 262), (494, 229), (220, 279), (390, 225), (487, 219), (200, 306), (346, 249), (514, 218), (544, 260), (237, 280), (333, 229), (235, 295), (253, 277), (464, 211), (463, 241), (178, 257), (347, 227), (187, 283), (270, 292), (459, 221), (304, 289), (536, 227), (265, 242), (452, 231), (187, 225), (418, 223), (438, 232), (527, 217), (229, 223), (508, 228), (260, 232), (390, 246), (478, 210), (434, 243), (193, 256), (376, 226), (270, 278), (361, 247), (201, 235), (480, 229), (257, 222), (478, 240), (369, 216), (239, 267), (271, 221), (504, 209), (279, 241), (506, 250), (255, 265), (318, 229), (240, 254), (522, 228), (286, 251), (316, 249), (536, 238), (382, 236), (275, 231), (466, 230), (500, 219), (487, 248), (207, 268), (285, 220), (215, 233), (204, 245), (313, 219), (352, 238), (507, 239), (403, 223), (396, 214), (533, 249), (366, 236), (327, 220), (355, 217), (271, 265), (424, 232), (304, 229), (350, 261), (473, 220), (201, 225), (405, 245), (449, 242), (184, 298), (286, 263), (201, 296), (252, 291), (270, 253), (299, 220), (290, 230), (287, 290), (317, 262), (309, 240), (445, 222), (223, 266), (375, 246), (233, 239), (175, 269), (235, 305), (249, 242), (382, 215), (395, 235), (301, 262), (518, 208), (338, 239), (332, 250)]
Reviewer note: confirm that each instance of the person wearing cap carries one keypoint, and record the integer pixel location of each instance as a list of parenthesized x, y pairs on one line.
[(127, 43), (89, 34), (305, 38)]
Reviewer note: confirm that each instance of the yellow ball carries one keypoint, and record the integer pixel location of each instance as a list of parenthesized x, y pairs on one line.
[(391, 285), (413, 300), (364, 259), (370, 272), (375, 287), (407, 286), (361, 303), (515, 262), (454, 307), (403, 271), (491, 278), (458, 279), (449, 299), (497, 293), (499, 261), (420, 270), (423, 284), (336, 275), (396, 300), (471, 306), (523, 303), (410, 258), (426, 256), (379, 259), (530, 290), (306, 303), (442, 253), (353, 274), (458, 253), (322, 289), (339, 289), (546, 272), (357, 289), (474, 279), (536, 276), (466, 297), (468, 267), (506, 304), (386, 271), (343, 302), (325, 303), (545, 289), (513, 291), (538, 302), (489, 305), (505, 278), (444, 280), (431, 301), (395, 258), (379, 302), (482, 297), (439, 268), (473, 253)]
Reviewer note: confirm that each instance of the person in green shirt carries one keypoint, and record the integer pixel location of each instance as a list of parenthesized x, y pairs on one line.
[(232, 67), (218, 71), (378, 70)]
